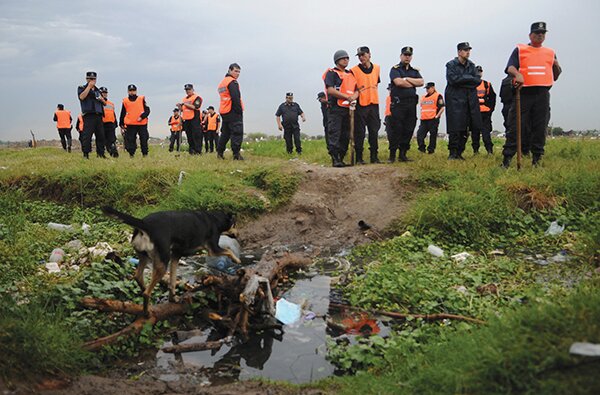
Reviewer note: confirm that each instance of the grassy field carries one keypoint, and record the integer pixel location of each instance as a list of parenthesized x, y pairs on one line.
[(532, 311)]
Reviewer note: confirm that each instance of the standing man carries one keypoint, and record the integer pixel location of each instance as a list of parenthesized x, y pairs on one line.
[(63, 121), (192, 119), (232, 113), (109, 122), (212, 126), (175, 125), (405, 79), (462, 103), (289, 111), (534, 69), (322, 98), (367, 111), (341, 91), (92, 108), (432, 108), (134, 120), (487, 104)]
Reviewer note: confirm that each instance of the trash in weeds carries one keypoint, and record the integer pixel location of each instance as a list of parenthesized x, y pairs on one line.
[(134, 261), (363, 225), (406, 234), (561, 257), (461, 256), (223, 264), (57, 255), (555, 229), (60, 227), (180, 180), (461, 289), (497, 252), (52, 267), (85, 228), (287, 312), (100, 249), (435, 251), (74, 245), (309, 316), (585, 349)]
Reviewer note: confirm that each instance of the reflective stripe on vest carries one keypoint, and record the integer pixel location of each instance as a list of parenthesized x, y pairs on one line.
[(367, 85), (109, 112), (347, 87), (225, 95), (212, 122), (536, 65), (482, 92), (63, 119), (388, 105), (188, 113), (133, 110), (429, 106), (175, 123)]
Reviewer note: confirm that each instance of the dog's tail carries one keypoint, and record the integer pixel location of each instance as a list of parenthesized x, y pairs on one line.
[(126, 218)]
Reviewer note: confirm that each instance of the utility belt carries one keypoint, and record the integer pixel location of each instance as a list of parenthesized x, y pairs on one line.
[(408, 100)]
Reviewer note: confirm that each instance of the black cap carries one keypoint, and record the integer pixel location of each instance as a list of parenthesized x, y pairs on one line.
[(320, 95), (211, 108), (188, 86), (538, 27), (289, 94), (175, 109), (362, 50), (91, 74), (103, 89), (407, 51), (131, 87), (479, 68), (430, 85), (463, 45), (61, 106)]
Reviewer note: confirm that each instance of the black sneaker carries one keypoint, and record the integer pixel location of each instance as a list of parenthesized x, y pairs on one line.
[(220, 155), (505, 162)]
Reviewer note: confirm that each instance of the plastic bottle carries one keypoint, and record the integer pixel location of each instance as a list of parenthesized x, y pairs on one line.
[(57, 255), (60, 227), (435, 251)]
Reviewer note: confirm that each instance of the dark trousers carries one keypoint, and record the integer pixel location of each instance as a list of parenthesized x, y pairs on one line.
[(366, 117), (535, 108), (486, 133), (291, 134), (193, 131), (131, 134), (233, 130), (325, 122), (65, 137), (110, 138), (338, 130), (403, 122), (175, 138), (210, 140), (92, 124), (428, 126), (457, 140)]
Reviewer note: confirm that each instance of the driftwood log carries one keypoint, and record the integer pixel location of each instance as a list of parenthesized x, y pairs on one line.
[(242, 296)]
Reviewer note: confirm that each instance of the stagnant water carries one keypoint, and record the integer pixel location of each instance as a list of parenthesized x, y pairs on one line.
[(296, 354)]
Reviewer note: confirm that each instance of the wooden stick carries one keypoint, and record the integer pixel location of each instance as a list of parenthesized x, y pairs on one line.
[(518, 107), (181, 348)]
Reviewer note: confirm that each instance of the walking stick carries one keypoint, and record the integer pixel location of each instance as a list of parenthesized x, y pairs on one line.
[(352, 108), (518, 104)]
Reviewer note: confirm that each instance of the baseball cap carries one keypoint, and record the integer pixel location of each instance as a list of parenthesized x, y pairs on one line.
[(463, 45), (131, 87)]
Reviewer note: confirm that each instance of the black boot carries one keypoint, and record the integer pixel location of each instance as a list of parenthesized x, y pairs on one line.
[(220, 155), (402, 157), (506, 162), (490, 151), (238, 156), (535, 161), (475, 151), (359, 158), (86, 155), (392, 158), (337, 161), (452, 155), (374, 158)]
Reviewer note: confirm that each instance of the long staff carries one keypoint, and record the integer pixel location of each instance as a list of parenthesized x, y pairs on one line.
[(518, 104), (352, 149)]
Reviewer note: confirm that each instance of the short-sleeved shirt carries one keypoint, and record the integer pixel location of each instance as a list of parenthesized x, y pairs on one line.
[(514, 61), (289, 112), (91, 104), (332, 79), (399, 71)]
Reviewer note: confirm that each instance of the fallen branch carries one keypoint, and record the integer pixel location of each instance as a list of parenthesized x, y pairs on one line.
[(428, 317), (181, 348)]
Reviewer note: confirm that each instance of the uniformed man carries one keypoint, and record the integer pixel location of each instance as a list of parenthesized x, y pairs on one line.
[(462, 103), (212, 128), (404, 79), (231, 109), (487, 104), (92, 108), (289, 111), (341, 91), (367, 76), (432, 108), (192, 119), (109, 122), (134, 121), (322, 98), (534, 69), (175, 125), (64, 121)]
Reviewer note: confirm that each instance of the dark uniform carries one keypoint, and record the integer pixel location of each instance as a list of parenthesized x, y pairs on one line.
[(193, 125), (132, 131), (403, 107), (487, 104), (64, 132), (109, 122), (289, 112), (232, 115), (322, 98), (430, 126), (338, 119), (92, 110), (462, 103)]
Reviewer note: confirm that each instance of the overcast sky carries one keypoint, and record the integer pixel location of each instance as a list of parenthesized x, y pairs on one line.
[(47, 46)]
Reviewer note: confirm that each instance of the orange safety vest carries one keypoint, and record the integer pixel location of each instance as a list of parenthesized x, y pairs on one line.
[(175, 123), (133, 110), (225, 95), (80, 129), (188, 113), (212, 122), (367, 85), (109, 112), (63, 119), (388, 106), (536, 65), (482, 91), (348, 85), (429, 106)]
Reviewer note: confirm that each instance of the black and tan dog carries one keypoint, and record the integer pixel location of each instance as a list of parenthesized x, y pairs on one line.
[(166, 236)]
